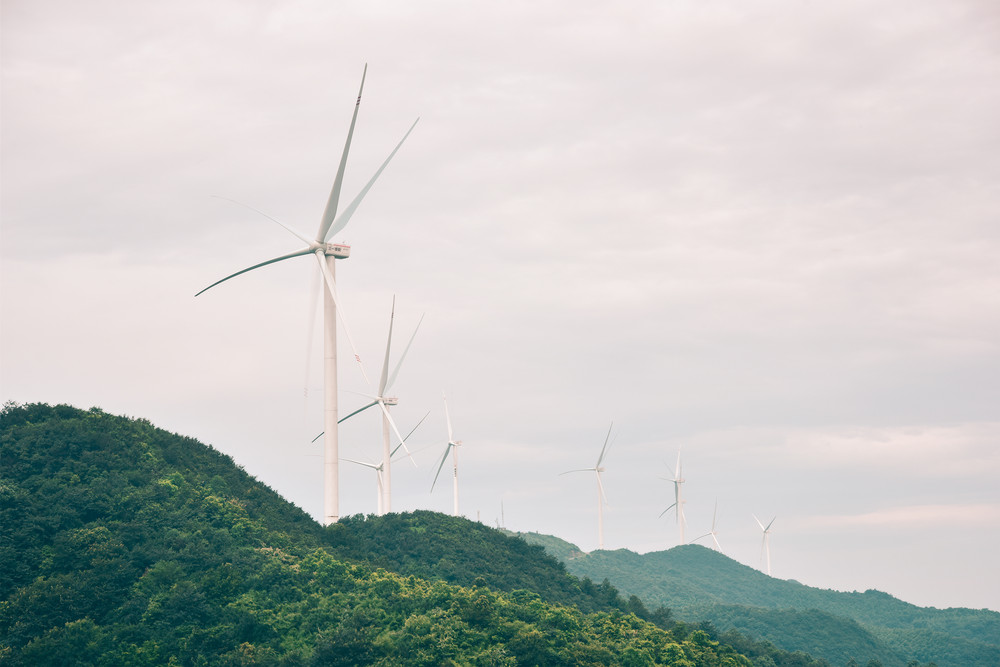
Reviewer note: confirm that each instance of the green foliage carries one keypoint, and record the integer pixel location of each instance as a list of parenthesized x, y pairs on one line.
[(698, 583), (459, 551), (127, 545)]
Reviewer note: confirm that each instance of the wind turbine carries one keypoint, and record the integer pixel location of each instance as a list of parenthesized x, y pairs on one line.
[(381, 469), (383, 401), (678, 505), (326, 254), (712, 532), (602, 499), (452, 447), (765, 543)]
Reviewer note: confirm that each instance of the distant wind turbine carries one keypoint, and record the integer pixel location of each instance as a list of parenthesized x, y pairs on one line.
[(601, 498), (452, 447), (380, 469), (678, 505), (765, 543), (712, 532), (326, 254), (383, 401)]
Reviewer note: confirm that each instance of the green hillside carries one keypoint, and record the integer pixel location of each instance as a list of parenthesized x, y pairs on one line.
[(699, 584), (123, 544)]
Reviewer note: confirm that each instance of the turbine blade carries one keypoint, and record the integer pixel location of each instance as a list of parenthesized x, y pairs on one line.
[(714, 513), (361, 409), (331, 205), (702, 537), (578, 470), (393, 452), (758, 521), (666, 510), (677, 470), (314, 302), (361, 463), (769, 525), (274, 220), (447, 450), (297, 253), (345, 217), (388, 344), (605, 447), (601, 487), (392, 423), (331, 286), (447, 417), (395, 371)]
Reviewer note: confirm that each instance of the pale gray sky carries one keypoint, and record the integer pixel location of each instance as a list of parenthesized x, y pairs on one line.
[(763, 233)]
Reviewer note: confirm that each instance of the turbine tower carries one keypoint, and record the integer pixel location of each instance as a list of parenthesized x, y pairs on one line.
[(384, 401), (326, 254), (602, 499), (452, 447), (679, 501), (765, 543), (712, 532)]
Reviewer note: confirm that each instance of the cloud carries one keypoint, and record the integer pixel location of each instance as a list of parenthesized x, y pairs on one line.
[(919, 450), (979, 516)]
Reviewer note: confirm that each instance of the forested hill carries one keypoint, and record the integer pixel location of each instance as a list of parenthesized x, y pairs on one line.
[(700, 584), (123, 544)]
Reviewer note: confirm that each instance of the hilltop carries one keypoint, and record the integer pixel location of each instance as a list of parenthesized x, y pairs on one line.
[(702, 585), (124, 544)]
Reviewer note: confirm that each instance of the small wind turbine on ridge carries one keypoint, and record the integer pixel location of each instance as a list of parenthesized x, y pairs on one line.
[(326, 254), (452, 447), (679, 501), (765, 543), (602, 499), (712, 532), (380, 470)]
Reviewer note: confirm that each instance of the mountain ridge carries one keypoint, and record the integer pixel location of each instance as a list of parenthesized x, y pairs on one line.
[(700, 584)]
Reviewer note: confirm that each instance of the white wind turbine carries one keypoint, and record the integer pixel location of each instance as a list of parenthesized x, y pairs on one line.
[(765, 543), (452, 447), (679, 501), (601, 498), (712, 532), (384, 401), (381, 468), (326, 255)]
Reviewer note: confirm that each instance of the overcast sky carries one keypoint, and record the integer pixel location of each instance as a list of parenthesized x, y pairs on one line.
[(763, 234)]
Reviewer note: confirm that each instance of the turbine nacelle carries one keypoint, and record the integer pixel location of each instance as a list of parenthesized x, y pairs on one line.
[(390, 401), (337, 250)]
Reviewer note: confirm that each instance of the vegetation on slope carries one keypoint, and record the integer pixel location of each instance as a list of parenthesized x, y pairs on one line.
[(456, 550), (122, 544), (459, 551), (701, 584)]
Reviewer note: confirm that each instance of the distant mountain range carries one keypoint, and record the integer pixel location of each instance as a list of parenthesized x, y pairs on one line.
[(700, 584)]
